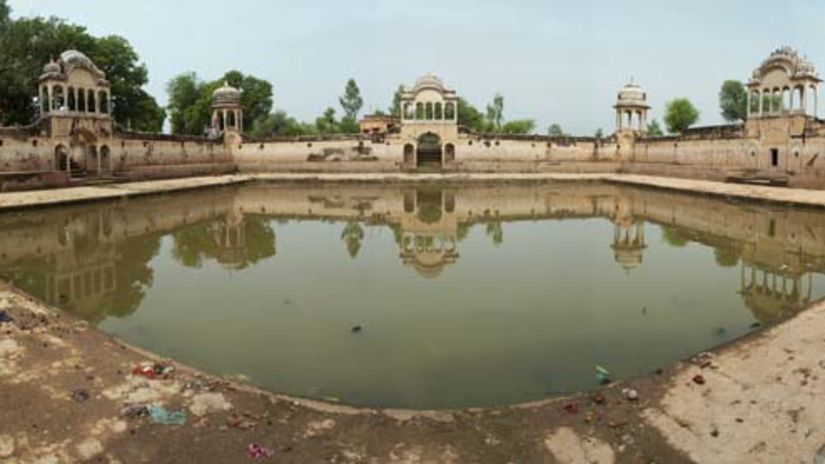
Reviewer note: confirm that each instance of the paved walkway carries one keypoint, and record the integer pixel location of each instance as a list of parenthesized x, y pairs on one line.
[(779, 195)]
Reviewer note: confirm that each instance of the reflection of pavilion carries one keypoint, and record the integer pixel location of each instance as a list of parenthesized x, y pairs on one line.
[(629, 245), (429, 235), (774, 294), (230, 238), (82, 272)]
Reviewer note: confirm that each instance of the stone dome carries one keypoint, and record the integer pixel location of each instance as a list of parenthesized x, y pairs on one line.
[(77, 59), (632, 95), (227, 95), (429, 81), (52, 68), (788, 59)]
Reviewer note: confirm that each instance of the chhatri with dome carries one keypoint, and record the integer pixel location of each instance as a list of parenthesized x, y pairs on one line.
[(75, 138)]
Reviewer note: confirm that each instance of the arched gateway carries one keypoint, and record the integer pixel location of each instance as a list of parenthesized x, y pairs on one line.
[(429, 152)]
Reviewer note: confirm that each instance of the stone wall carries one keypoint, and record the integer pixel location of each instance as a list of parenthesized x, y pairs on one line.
[(788, 150)]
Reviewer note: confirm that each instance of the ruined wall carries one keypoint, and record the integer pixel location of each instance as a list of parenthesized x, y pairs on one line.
[(319, 155), (141, 157)]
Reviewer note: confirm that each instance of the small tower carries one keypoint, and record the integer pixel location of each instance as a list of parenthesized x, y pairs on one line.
[(227, 113), (631, 109)]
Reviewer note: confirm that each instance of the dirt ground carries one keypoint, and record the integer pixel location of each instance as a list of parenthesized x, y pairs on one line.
[(69, 393)]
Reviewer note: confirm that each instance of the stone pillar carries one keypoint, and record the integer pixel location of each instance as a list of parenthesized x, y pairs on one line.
[(223, 116), (816, 101), (748, 112), (805, 100)]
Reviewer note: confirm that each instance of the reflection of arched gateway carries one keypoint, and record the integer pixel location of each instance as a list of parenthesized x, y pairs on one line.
[(429, 150), (429, 232)]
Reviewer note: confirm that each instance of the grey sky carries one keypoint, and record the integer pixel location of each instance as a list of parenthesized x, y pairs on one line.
[(554, 61)]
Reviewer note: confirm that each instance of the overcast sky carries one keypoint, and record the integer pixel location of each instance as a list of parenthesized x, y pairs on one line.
[(554, 61)]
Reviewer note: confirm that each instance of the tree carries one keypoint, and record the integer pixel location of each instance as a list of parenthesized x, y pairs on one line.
[(654, 129), (555, 130), (469, 116), (352, 235), (395, 109), (5, 12), (495, 112), (599, 133), (680, 114), (733, 100), (519, 126), (351, 101), (279, 123), (326, 123), (349, 125)]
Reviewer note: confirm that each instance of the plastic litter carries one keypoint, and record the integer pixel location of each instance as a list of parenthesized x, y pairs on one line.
[(602, 375), (5, 317), (153, 370), (257, 452), (631, 394), (80, 395), (571, 408), (161, 415), (134, 410)]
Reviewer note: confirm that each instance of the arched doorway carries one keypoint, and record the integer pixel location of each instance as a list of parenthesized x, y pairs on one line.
[(409, 154), (429, 150), (449, 153), (105, 160), (61, 158)]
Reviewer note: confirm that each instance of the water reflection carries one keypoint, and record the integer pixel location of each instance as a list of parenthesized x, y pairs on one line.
[(626, 277), (95, 260)]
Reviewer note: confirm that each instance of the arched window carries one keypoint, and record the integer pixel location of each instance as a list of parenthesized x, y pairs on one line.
[(439, 112), (449, 111), (429, 115), (799, 97), (786, 100), (91, 102), (72, 99), (813, 100), (231, 120), (81, 100), (59, 100), (44, 99), (754, 102), (103, 100), (419, 111), (766, 101), (408, 111)]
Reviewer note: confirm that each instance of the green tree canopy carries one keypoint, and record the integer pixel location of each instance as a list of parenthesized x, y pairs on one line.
[(190, 100), (733, 100), (495, 112), (29, 43), (518, 126), (280, 123), (654, 129), (469, 116), (351, 101), (555, 130), (680, 114), (599, 133)]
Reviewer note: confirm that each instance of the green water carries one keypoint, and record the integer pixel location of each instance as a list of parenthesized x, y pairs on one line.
[(466, 296)]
